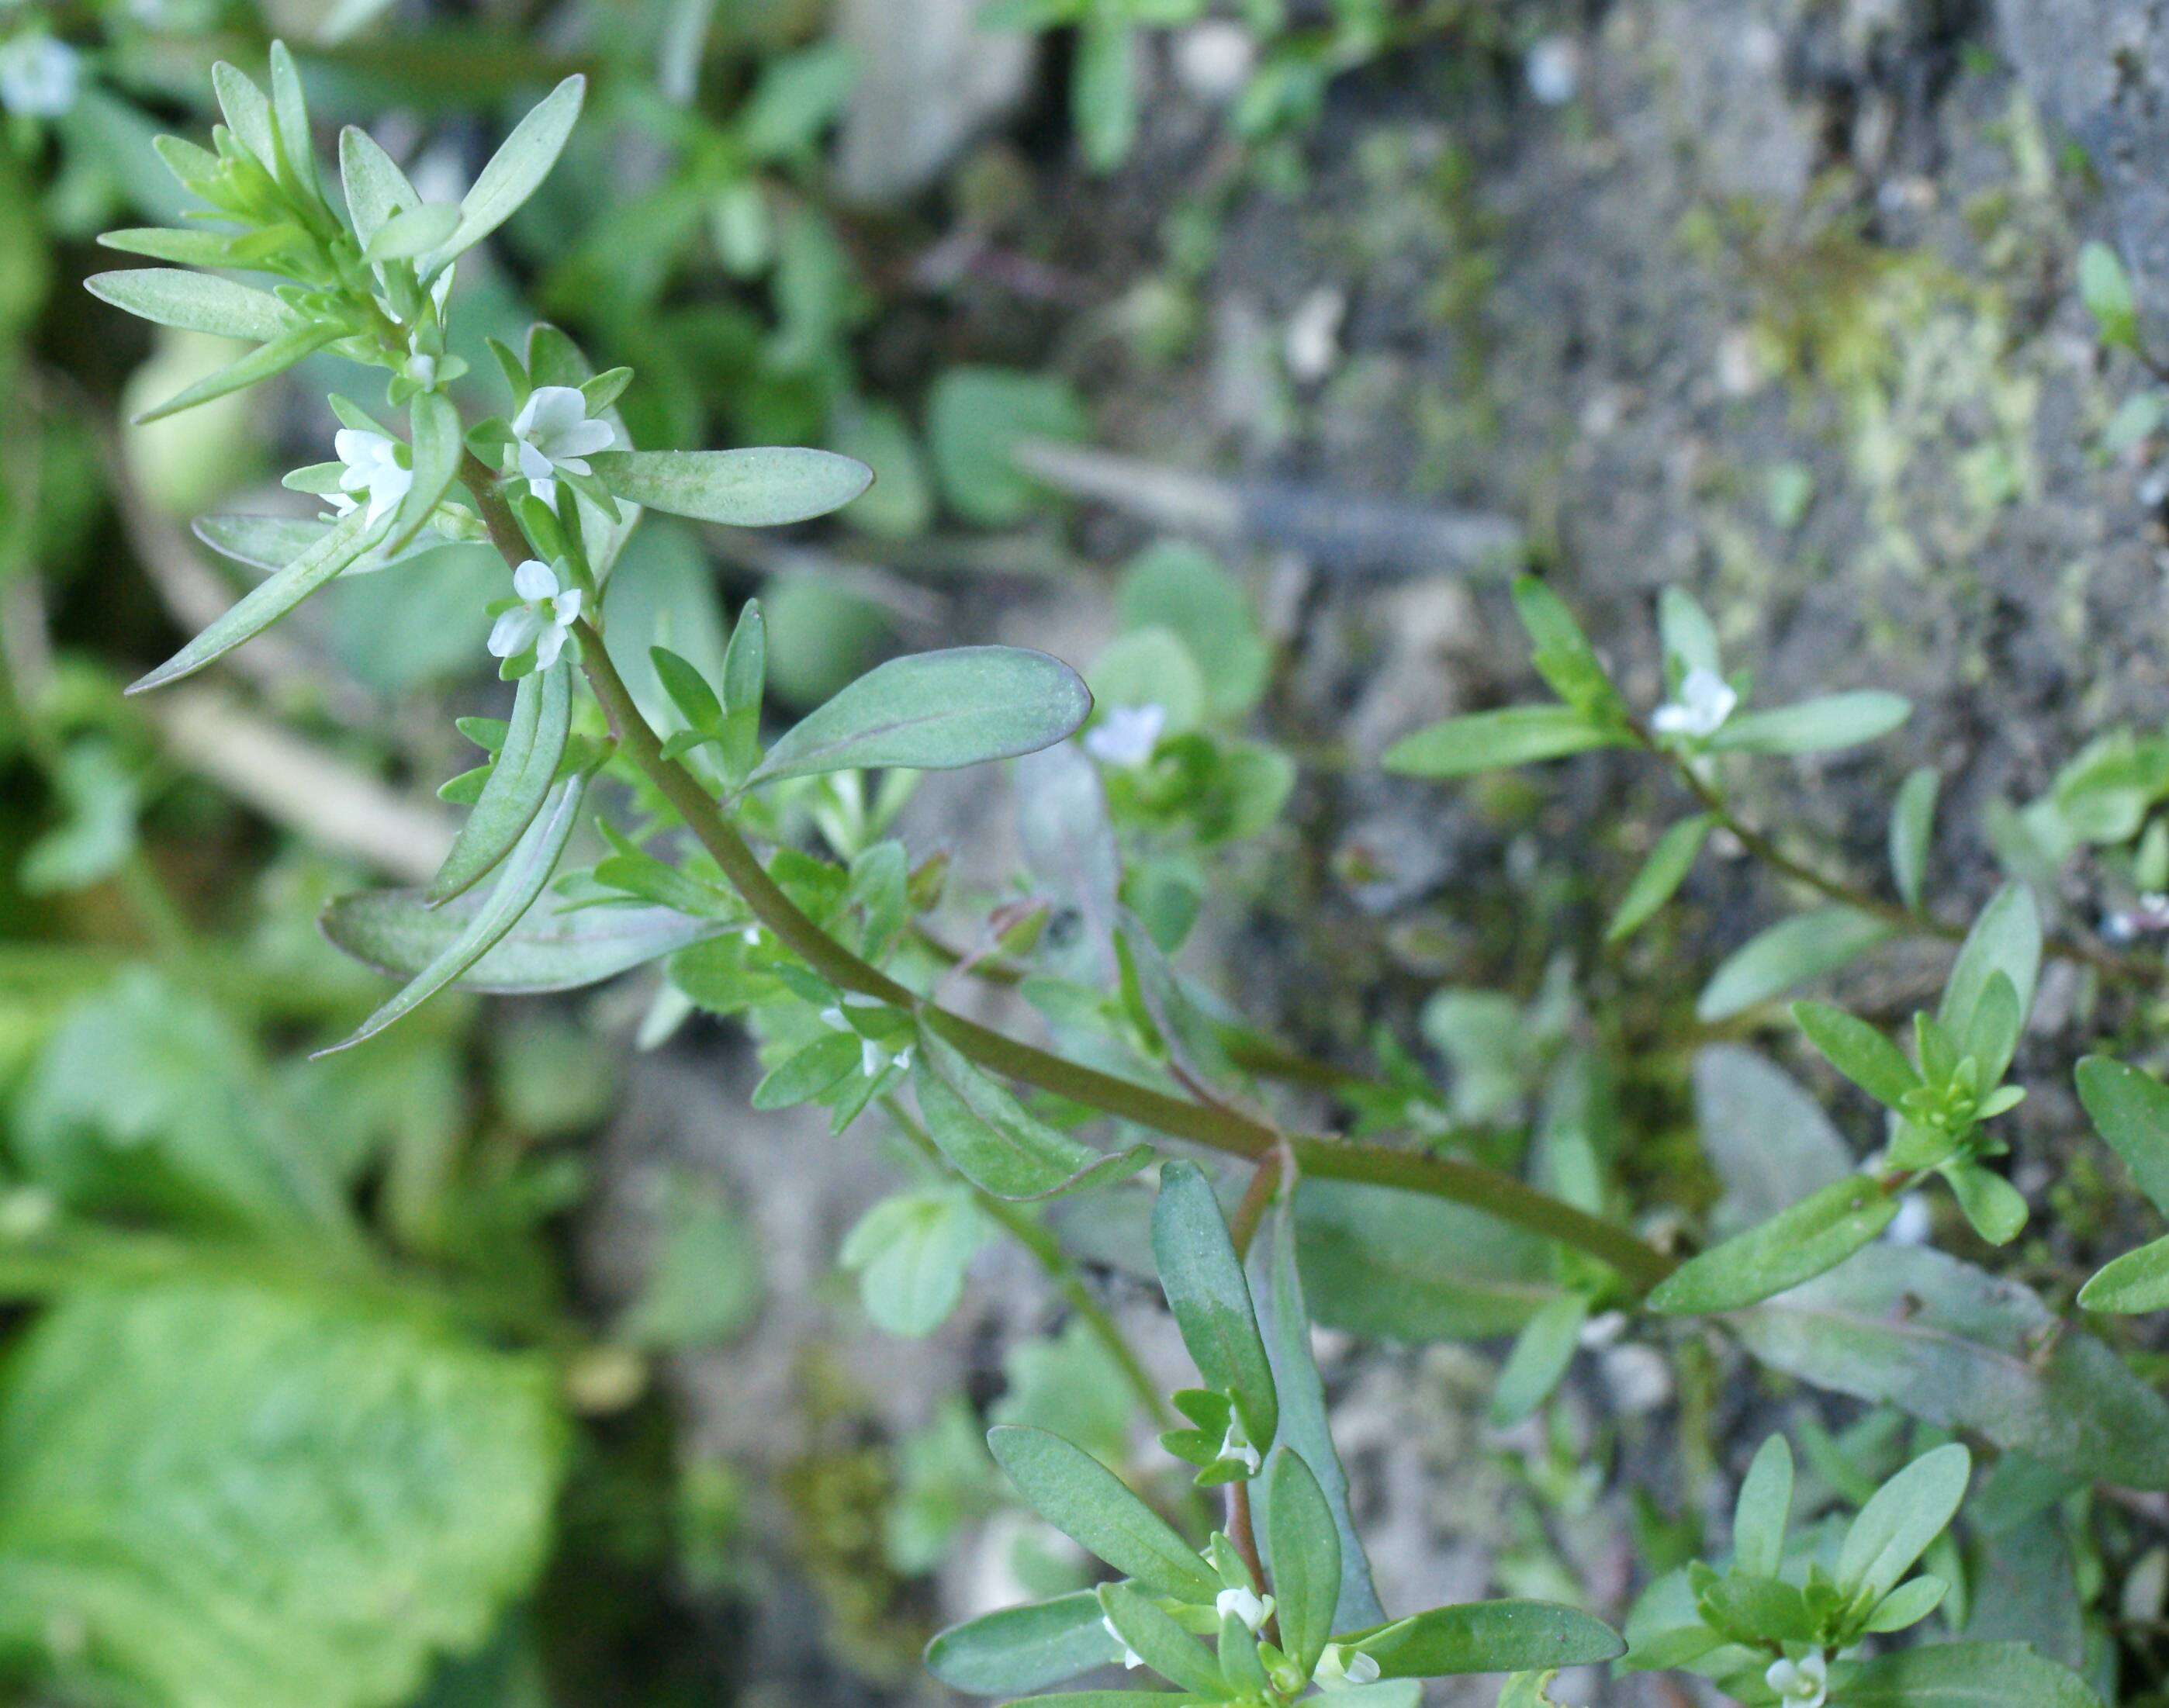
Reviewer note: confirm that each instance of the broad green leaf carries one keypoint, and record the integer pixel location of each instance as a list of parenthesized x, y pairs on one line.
[(517, 783), (1561, 654), (2105, 288), (1024, 1648), (412, 232), (976, 418), (910, 1251), (1539, 1359), (756, 488), (2130, 1109), (1907, 1605), (399, 932), (809, 1072), (220, 1489), (265, 603), (1992, 1205), (1092, 1506), (1962, 1675), (1761, 1512), (1858, 1050), (1909, 1512), (1210, 1298), (1912, 830), (1183, 590), (1490, 1636), (1306, 1556), (1908, 1326), (933, 711), (523, 875), (1769, 1140), (995, 1142), (1493, 740), (1661, 874), (1815, 725), (196, 302), (1795, 1245), (1304, 1427), (1405, 1267), (2006, 939), (2138, 1280), (516, 170), (376, 189), (1787, 955), (259, 364), (1161, 1643), (438, 445)]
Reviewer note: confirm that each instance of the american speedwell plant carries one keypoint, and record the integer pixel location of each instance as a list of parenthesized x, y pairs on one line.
[(829, 956)]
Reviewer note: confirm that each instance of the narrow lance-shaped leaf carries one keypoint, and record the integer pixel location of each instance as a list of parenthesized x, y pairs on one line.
[(1153, 1634), (936, 711), (517, 169), (1306, 1553), (376, 189), (1025, 1648), (259, 364), (411, 233), (265, 604), (1493, 741), (1909, 1512), (517, 783), (247, 114), (289, 119), (1661, 874), (1206, 1289), (1962, 1675), (2130, 1109), (758, 487), (1088, 1502), (525, 875), (437, 444), (1795, 1245), (1858, 1050), (399, 932), (1815, 725), (1490, 1636), (1765, 1506), (995, 1142), (1912, 830), (273, 542), (2006, 939), (2138, 1280), (196, 302), (1539, 1359), (1787, 956)]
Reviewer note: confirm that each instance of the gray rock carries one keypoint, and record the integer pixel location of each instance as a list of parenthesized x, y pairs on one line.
[(929, 80)]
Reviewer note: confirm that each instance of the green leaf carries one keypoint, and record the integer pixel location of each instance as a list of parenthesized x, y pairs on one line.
[(196, 302), (400, 932), (290, 117), (933, 711), (412, 232), (1962, 1675), (273, 542), (259, 364), (910, 1251), (995, 1142), (1024, 1648), (1690, 637), (265, 603), (1815, 725), (1795, 1245), (1305, 1544), (1490, 1636), (2006, 939), (1561, 654), (1493, 741), (1909, 1512), (1092, 1506), (247, 114), (1912, 830), (516, 170), (688, 689), (1763, 1510), (517, 783), (1995, 1208), (1184, 590), (1788, 954), (2105, 288), (1539, 1361), (1911, 1328), (976, 417), (745, 681), (1769, 1140), (1528, 1690), (1907, 1605), (2138, 1280), (1662, 874), (1161, 1643), (1859, 1051), (524, 874), (1104, 90), (1206, 1289), (1406, 1267), (376, 189), (433, 421), (2130, 1109), (324, 1458), (757, 488)]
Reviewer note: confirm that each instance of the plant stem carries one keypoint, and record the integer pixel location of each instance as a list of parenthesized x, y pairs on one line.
[(1500, 1195)]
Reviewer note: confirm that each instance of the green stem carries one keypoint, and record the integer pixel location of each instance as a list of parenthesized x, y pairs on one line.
[(1215, 1128)]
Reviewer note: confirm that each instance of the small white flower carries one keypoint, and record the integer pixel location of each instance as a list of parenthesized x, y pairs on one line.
[(1554, 70), (1340, 1667), (1705, 700), (1237, 1445), (542, 621), (1127, 735), (1246, 1604), (552, 432), (1131, 1660), (372, 467), (40, 78), (1803, 1684)]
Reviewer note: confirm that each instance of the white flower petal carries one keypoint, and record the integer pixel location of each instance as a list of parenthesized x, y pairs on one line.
[(513, 633), (547, 645), (535, 580), (565, 608), (585, 439)]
